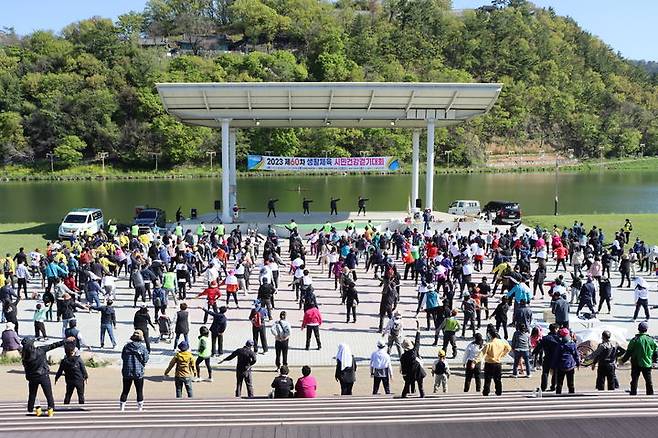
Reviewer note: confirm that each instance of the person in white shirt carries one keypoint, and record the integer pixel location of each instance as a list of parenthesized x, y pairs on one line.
[(380, 369), (473, 363), (22, 276), (641, 297)]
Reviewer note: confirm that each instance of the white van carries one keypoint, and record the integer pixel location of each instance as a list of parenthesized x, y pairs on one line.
[(81, 220), (465, 208)]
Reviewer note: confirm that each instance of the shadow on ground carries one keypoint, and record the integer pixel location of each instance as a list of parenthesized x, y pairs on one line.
[(47, 231)]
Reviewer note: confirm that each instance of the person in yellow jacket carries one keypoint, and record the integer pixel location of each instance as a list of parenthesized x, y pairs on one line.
[(493, 353), (183, 360)]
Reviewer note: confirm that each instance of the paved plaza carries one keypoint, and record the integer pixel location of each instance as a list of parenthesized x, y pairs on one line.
[(362, 336)]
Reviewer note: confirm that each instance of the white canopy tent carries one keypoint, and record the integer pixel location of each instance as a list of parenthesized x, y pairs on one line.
[(325, 104)]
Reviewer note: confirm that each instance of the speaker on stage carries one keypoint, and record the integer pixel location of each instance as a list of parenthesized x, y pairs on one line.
[(419, 203), (218, 205)]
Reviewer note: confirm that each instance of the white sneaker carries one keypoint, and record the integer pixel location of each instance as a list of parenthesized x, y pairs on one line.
[(122, 406), (210, 380), (140, 406)]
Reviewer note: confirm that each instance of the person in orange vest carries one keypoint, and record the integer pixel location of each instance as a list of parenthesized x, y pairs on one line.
[(231, 282)]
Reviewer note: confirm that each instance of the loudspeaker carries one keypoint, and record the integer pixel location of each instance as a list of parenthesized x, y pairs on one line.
[(218, 205), (419, 203), (193, 213)]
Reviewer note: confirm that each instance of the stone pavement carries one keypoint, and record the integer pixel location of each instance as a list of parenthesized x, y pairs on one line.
[(361, 336)]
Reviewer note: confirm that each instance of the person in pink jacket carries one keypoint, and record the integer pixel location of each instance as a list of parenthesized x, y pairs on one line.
[(312, 322)]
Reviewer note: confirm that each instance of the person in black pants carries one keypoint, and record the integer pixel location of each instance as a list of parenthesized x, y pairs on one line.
[(641, 351), (351, 299), (305, 205), (606, 357), (281, 331), (333, 206), (472, 366), (37, 373), (141, 322), (362, 205), (345, 369), (246, 359), (270, 207), (75, 374), (412, 371), (134, 357), (605, 293), (500, 315), (548, 345), (217, 329)]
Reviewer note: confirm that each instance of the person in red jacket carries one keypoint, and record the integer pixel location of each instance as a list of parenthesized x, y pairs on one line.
[(212, 294), (561, 253), (312, 322)]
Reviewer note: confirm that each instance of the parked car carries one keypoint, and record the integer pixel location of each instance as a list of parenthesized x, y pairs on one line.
[(148, 218), (465, 208), (81, 220), (503, 212)]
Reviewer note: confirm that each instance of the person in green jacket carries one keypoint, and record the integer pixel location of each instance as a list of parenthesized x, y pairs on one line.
[(641, 351), (134, 230), (204, 353), (450, 326), (170, 284)]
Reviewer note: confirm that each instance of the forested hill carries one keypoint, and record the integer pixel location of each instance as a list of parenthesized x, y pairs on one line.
[(90, 87)]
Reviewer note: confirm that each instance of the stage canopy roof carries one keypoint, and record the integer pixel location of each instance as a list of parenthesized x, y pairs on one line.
[(327, 104)]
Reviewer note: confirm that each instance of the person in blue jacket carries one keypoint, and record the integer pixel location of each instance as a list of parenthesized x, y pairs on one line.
[(565, 361)]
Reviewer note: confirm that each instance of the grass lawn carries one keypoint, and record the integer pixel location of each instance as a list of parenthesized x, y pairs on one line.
[(645, 226), (28, 235)]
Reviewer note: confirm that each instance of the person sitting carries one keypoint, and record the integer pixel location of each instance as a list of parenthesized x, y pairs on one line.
[(282, 386), (11, 343), (306, 386)]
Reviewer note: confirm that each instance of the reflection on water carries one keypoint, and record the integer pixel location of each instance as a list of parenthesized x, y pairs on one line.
[(597, 192)]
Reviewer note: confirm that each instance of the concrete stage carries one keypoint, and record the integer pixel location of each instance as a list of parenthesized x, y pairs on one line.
[(381, 219)]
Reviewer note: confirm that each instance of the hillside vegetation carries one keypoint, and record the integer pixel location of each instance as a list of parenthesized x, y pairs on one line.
[(90, 88)]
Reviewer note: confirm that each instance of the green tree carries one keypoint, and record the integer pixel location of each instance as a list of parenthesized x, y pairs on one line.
[(69, 150)]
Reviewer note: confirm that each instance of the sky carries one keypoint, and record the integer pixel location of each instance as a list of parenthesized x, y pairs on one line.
[(628, 27)]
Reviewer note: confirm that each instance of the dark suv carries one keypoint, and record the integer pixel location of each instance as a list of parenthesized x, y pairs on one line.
[(150, 217), (503, 212)]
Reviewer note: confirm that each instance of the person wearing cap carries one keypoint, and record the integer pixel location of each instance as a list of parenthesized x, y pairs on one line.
[(411, 369), (641, 298), (258, 326), (605, 356), (641, 351), (380, 368), (135, 356), (565, 361), (493, 353), (246, 358), (11, 343), (183, 360), (441, 372)]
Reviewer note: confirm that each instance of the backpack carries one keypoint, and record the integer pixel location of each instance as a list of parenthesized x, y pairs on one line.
[(285, 330), (257, 320)]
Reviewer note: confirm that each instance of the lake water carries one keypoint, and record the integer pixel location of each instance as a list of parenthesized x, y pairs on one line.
[(596, 192)]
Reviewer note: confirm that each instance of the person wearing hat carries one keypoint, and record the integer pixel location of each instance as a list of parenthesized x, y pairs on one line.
[(605, 356), (258, 326), (246, 358), (641, 351), (411, 369), (11, 343), (183, 360), (134, 356), (641, 298), (380, 368), (565, 361)]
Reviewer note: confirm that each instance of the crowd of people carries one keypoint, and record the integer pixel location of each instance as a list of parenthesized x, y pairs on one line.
[(445, 269)]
